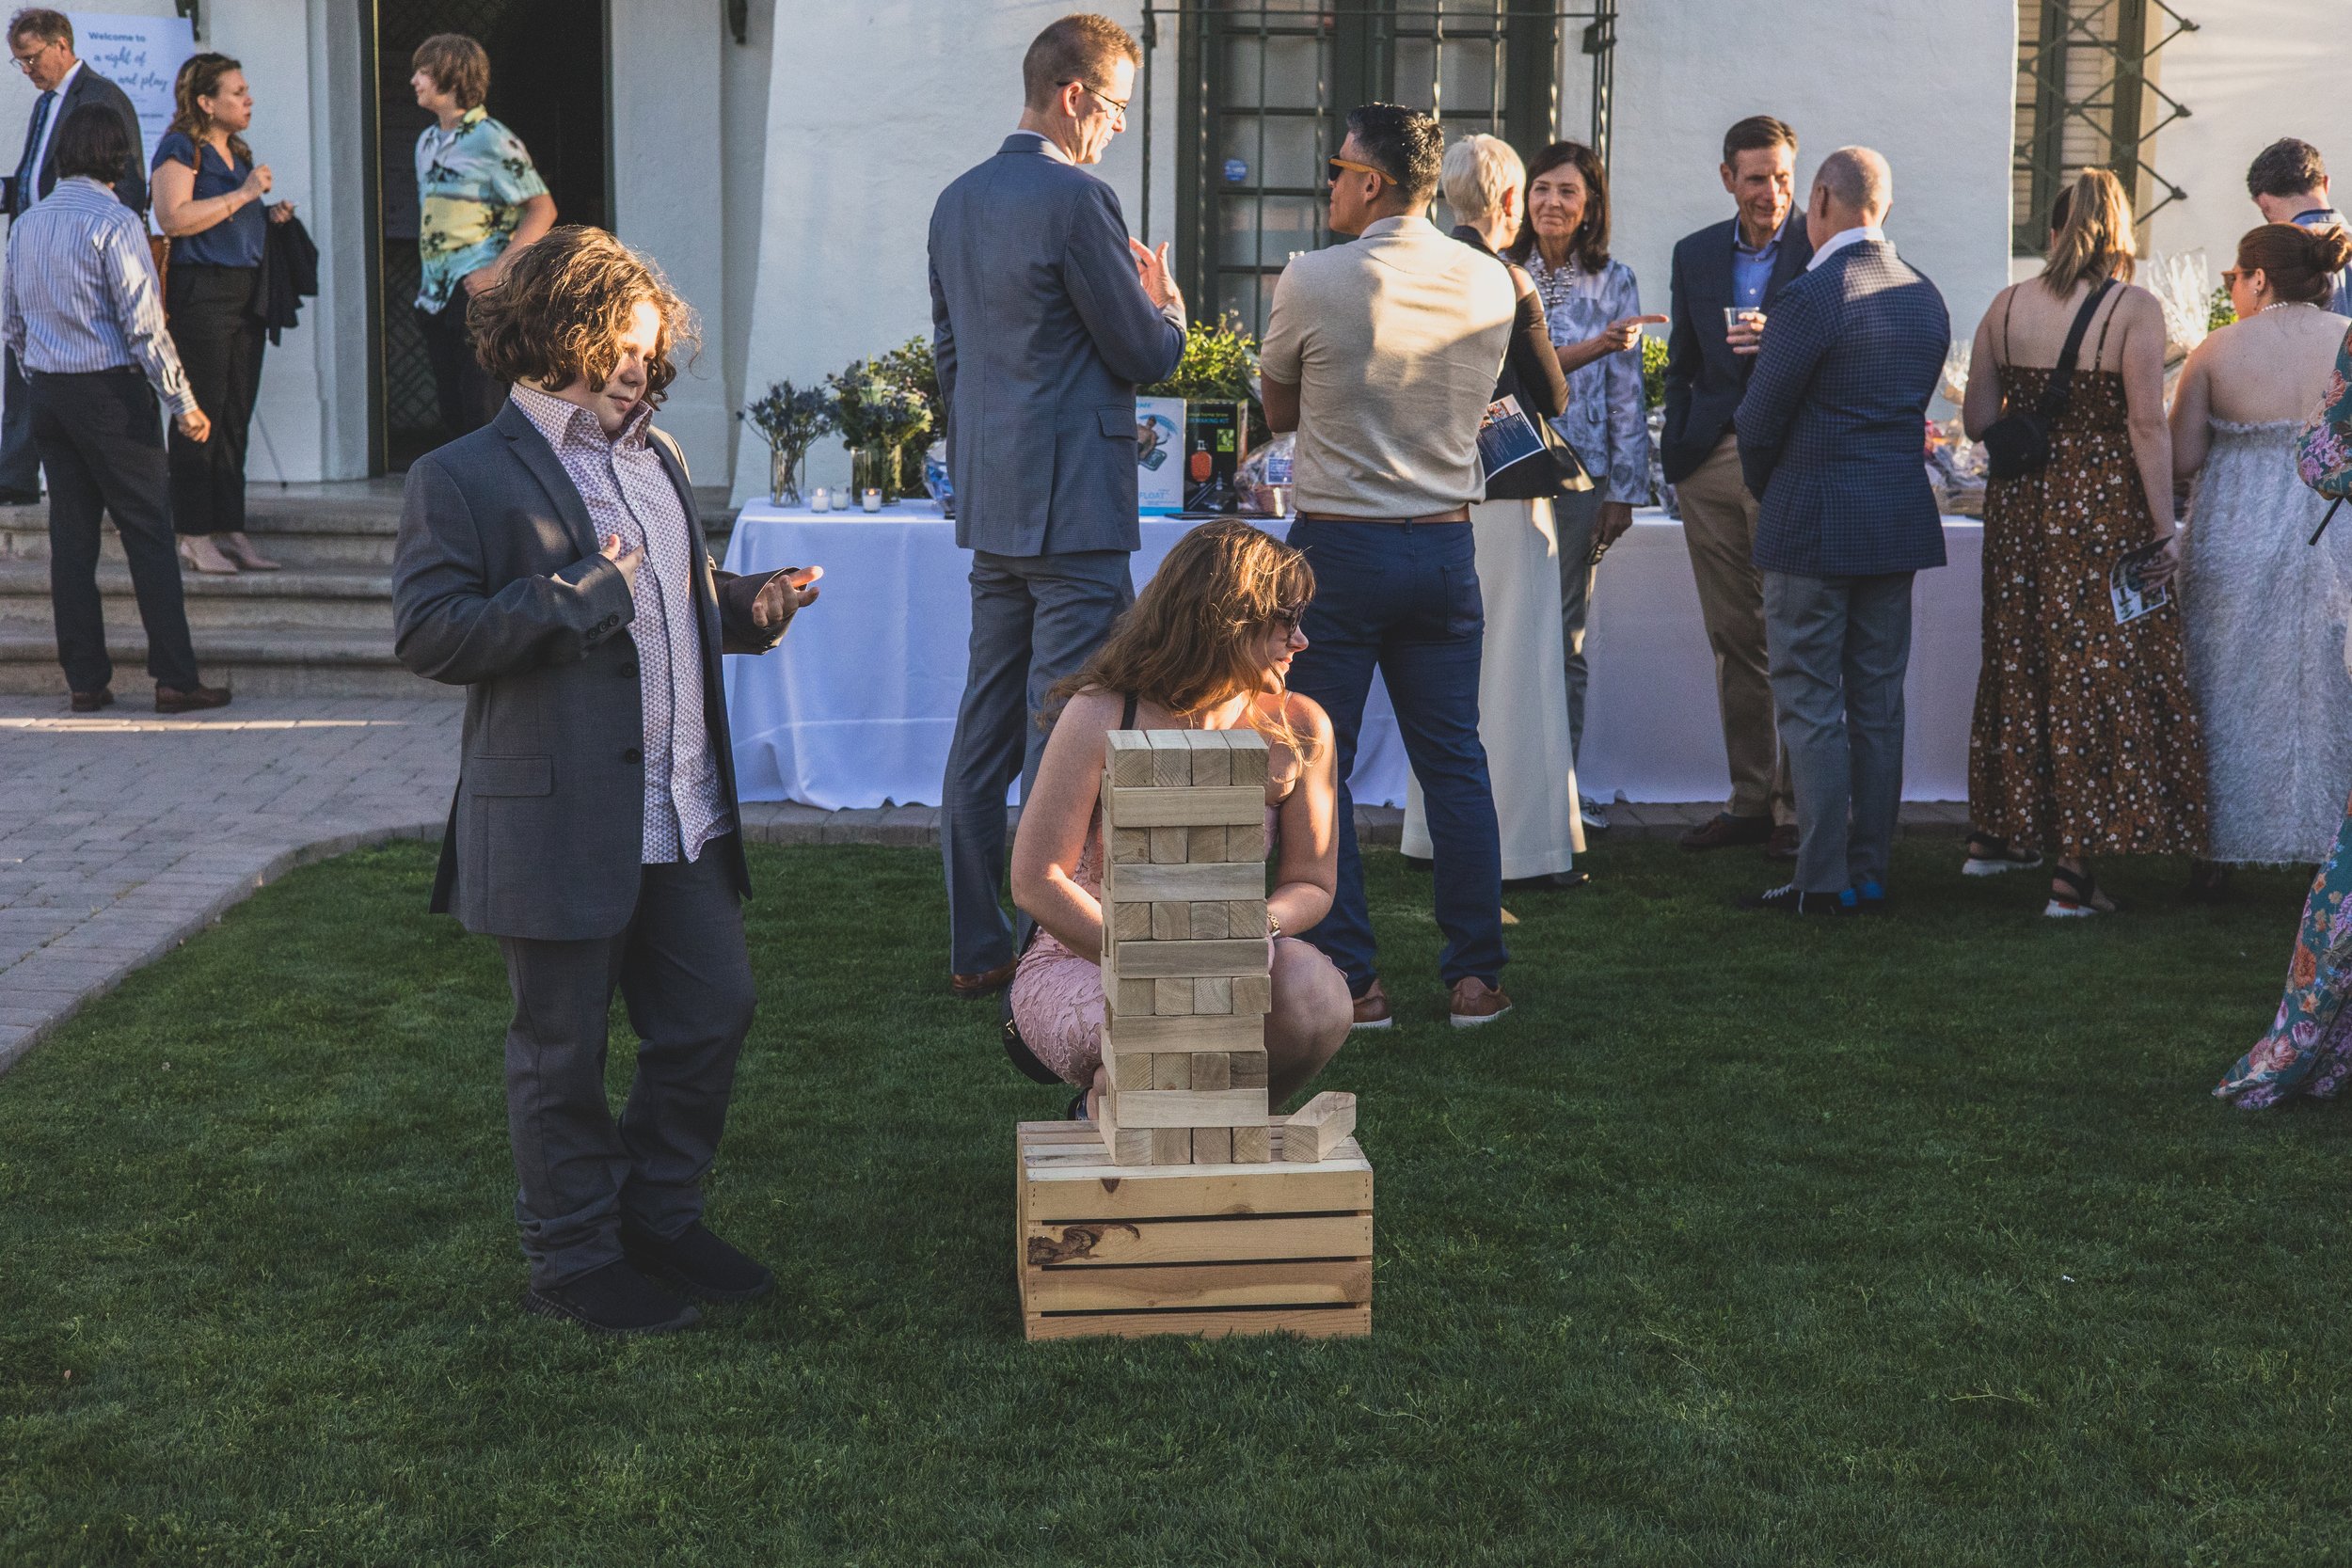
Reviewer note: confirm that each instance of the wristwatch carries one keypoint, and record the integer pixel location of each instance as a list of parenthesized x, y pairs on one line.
[(1273, 927)]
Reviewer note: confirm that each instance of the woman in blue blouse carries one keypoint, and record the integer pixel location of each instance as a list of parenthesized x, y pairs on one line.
[(208, 198), (1593, 309)]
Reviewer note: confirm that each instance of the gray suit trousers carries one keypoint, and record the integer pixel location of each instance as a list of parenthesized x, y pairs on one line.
[(682, 969), (1034, 619), (1839, 647)]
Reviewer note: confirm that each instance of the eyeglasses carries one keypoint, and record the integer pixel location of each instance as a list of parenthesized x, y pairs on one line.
[(2229, 275), (1286, 621), (1333, 166), (1118, 109), (24, 62)]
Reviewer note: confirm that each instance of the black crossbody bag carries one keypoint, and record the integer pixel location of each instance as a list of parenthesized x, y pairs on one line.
[(2018, 444), (1017, 1050)]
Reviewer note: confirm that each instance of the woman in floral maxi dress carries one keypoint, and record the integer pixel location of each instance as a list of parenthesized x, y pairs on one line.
[(2308, 1049)]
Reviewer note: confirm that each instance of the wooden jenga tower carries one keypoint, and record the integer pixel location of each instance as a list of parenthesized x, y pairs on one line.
[(1152, 1222)]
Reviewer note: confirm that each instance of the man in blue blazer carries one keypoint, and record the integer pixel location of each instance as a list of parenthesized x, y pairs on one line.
[(1045, 318), (1742, 263), (41, 42), (1831, 438)]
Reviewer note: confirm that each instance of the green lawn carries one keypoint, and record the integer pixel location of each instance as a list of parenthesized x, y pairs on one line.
[(1914, 1241)]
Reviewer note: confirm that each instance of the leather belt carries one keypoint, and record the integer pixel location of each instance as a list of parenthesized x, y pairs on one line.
[(1459, 515)]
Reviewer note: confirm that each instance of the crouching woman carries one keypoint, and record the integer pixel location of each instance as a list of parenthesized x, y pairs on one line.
[(1208, 645)]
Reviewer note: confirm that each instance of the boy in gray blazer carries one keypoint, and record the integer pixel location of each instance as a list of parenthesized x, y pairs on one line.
[(552, 563), (1045, 318)]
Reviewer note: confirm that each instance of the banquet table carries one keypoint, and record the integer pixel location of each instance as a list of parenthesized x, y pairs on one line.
[(858, 705)]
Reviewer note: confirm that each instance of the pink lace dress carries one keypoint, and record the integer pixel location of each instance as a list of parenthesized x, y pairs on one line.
[(1058, 994)]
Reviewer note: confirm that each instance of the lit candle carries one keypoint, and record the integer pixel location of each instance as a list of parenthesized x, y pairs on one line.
[(820, 500), (873, 499)]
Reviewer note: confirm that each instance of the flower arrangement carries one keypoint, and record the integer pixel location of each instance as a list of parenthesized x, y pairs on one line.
[(790, 418), (880, 414)]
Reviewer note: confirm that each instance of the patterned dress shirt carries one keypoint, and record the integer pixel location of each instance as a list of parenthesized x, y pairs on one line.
[(1605, 421), (81, 296), (472, 185), (627, 492)]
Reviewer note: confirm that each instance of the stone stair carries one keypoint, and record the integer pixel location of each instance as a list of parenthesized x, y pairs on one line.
[(322, 627)]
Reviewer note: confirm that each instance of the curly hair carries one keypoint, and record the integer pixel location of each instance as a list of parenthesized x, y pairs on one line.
[(557, 315), (1187, 643), (199, 77)]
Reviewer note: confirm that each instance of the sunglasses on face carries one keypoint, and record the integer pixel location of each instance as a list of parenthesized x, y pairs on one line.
[(1333, 168), (1286, 621)]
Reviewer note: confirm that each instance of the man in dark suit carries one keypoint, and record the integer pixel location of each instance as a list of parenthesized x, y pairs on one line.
[(552, 562), (41, 41), (1830, 436), (1045, 318), (1741, 263)]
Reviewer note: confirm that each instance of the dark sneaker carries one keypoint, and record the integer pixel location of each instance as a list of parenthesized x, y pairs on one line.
[(1474, 1003), (171, 699), (1372, 1009), (1724, 831), (615, 1299), (697, 1263), (1793, 899)]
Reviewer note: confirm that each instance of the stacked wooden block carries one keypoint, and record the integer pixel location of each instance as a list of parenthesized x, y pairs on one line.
[(1185, 979)]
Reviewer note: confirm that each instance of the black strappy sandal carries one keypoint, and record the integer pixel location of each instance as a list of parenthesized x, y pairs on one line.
[(1989, 857), (2082, 895), (1076, 1109)]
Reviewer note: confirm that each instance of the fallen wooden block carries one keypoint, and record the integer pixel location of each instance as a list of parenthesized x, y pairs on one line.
[(1318, 1127), (1209, 1250)]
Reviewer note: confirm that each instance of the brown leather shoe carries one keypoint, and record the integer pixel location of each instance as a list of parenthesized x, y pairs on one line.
[(974, 988), (1477, 1002), (90, 702), (170, 699), (1372, 1009), (1724, 831), (1782, 845)]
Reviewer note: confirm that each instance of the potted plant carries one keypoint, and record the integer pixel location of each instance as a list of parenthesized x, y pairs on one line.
[(879, 416), (790, 418), (1215, 377)]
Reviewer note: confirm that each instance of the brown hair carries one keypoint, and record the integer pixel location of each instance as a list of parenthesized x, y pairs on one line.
[(40, 22), (199, 77), (94, 144), (1589, 244), (459, 66), (557, 315), (2299, 263), (2288, 167), (1077, 48), (1185, 642), (1753, 135), (2091, 226)]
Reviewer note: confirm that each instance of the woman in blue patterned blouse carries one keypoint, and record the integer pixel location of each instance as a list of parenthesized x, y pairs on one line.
[(1595, 312)]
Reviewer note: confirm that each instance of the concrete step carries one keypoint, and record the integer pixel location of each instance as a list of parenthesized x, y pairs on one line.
[(356, 601), (267, 662)]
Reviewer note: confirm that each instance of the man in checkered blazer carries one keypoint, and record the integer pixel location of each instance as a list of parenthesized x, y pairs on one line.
[(1831, 435)]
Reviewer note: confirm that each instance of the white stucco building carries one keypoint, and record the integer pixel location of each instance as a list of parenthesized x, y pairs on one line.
[(784, 176)]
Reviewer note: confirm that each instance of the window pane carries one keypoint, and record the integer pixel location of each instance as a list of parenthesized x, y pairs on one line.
[(1416, 73), (1468, 74), (1291, 152), (1264, 232), (1239, 293), (1293, 71)]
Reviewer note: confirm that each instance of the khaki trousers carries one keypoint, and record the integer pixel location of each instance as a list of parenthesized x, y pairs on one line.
[(1719, 526)]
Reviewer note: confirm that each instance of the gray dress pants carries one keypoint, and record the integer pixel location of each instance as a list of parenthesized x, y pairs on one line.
[(682, 969), (1839, 649), (1034, 619)]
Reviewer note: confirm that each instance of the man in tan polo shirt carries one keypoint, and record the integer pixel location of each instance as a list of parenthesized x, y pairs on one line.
[(1382, 354)]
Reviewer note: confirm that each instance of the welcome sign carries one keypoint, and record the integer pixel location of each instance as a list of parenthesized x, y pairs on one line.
[(140, 55)]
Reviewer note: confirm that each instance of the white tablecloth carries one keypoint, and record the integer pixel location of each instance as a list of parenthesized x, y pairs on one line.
[(858, 706)]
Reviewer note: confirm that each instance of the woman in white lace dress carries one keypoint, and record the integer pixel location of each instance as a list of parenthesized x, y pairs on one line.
[(2264, 611)]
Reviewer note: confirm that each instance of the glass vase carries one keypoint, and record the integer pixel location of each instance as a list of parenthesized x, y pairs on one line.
[(784, 475), (875, 466)]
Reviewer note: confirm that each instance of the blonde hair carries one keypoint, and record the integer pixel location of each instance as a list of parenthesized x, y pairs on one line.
[(1477, 172), (2092, 238), (1187, 643)]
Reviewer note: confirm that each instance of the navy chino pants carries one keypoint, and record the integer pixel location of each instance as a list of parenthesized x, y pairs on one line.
[(1402, 598)]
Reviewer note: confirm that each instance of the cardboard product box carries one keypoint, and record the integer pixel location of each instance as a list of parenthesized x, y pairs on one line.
[(1160, 455), (1215, 435)]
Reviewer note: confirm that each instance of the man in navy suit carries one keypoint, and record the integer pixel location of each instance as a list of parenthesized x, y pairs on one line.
[(1831, 432), (1045, 317), (41, 41), (1742, 263)]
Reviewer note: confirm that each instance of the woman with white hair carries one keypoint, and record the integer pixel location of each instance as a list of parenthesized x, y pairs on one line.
[(1523, 682)]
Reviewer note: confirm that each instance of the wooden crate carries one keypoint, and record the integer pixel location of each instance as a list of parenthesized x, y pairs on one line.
[(1199, 1249)]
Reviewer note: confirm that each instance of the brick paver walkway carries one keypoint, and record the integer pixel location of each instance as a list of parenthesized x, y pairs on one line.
[(124, 833)]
